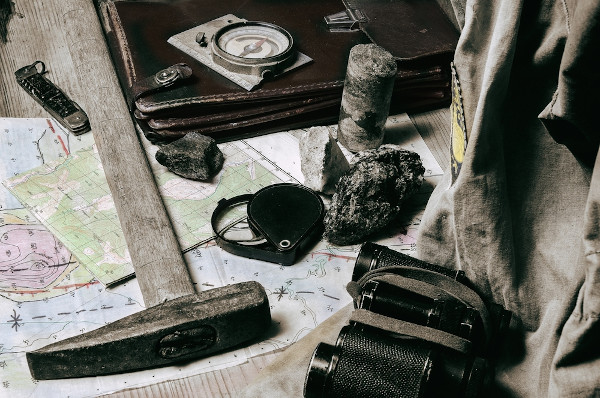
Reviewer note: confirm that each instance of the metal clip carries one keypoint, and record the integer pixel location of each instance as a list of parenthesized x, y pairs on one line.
[(345, 21), (167, 76), (157, 82)]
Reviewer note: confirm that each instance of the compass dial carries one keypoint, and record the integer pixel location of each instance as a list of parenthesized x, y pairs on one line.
[(253, 48), (254, 43), (254, 40)]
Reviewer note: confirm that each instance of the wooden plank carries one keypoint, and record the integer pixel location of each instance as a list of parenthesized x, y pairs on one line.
[(434, 127), (218, 384)]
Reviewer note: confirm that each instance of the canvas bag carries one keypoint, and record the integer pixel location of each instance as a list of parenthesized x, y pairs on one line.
[(514, 215)]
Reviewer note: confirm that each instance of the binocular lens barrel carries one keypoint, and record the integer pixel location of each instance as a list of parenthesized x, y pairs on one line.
[(373, 256), (367, 364)]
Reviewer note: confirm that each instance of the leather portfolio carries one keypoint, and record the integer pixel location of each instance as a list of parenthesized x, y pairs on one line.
[(200, 99)]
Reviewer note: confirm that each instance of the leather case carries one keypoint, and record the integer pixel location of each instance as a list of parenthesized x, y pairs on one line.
[(417, 33)]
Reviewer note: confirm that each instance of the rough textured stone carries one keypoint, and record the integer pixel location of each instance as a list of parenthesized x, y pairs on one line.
[(369, 196), (366, 98), (321, 160), (195, 156)]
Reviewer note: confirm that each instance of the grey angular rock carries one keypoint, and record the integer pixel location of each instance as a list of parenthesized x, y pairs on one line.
[(321, 160), (370, 195), (194, 156)]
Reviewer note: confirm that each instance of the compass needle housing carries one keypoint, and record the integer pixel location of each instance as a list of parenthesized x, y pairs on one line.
[(253, 48)]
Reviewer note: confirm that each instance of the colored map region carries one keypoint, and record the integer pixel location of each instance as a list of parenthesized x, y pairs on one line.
[(28, 143), (190, 204), (34, 265), (72, 199)]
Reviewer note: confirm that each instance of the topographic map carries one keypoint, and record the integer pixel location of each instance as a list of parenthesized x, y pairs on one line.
[(47, 295), (72, 199), (34, 264)]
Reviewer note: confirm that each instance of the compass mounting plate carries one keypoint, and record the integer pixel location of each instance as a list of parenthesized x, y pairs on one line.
[(245, 52)]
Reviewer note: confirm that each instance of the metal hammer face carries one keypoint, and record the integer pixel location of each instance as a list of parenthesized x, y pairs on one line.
[(185, 328)]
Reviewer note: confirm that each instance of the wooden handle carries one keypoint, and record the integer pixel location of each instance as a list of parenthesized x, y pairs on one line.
[(159, 266)]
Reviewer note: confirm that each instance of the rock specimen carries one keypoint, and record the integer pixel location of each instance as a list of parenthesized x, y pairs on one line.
[(369, 196), (321, 160), (195, 156), (366, 98)]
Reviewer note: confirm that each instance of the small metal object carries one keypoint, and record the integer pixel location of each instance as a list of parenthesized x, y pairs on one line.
[(201, 39), (167, 76), (245, 52), (62, 108), (161, 80), (348, 20)]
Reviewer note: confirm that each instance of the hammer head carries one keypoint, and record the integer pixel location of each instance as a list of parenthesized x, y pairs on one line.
[(182, 329)]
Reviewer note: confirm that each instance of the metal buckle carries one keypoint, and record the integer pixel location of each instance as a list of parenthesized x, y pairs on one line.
[(167, 76), (345, 21)]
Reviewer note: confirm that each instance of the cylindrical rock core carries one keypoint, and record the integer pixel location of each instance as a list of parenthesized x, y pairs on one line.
[(366, 97)]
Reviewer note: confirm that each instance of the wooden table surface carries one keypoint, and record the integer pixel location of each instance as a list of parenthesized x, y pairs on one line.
[(67, 36)]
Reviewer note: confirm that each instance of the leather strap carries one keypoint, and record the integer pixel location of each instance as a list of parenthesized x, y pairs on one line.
[(425, 333), (446, 284), (157, 82)]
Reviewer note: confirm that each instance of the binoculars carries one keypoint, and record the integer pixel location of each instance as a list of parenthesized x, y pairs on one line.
[(418, 330)]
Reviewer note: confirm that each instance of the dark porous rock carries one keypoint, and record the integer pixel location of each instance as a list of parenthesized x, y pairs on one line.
[(369, 196), (195, 156)]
